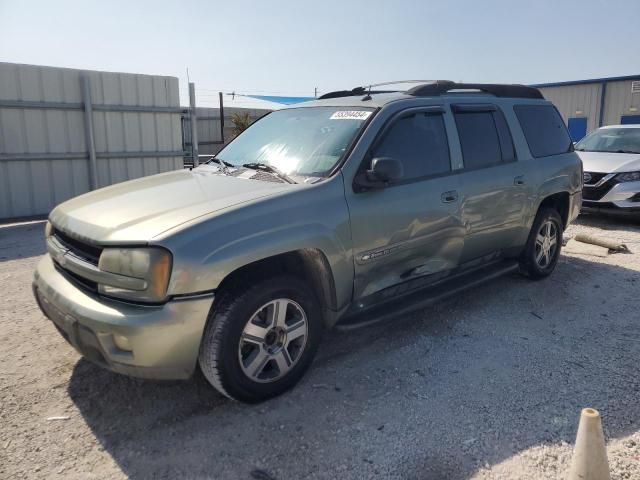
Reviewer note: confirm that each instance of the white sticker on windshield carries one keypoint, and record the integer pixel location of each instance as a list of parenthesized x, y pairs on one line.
[(351, 115)]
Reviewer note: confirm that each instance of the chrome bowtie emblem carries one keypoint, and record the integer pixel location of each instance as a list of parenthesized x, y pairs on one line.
[(586, 177)]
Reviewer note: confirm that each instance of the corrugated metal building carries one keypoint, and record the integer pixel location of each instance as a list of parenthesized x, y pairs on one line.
[(64, 132), (589, 104)]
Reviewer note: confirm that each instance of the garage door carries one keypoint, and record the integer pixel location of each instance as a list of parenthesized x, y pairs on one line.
[(629, 119), (577, 128)]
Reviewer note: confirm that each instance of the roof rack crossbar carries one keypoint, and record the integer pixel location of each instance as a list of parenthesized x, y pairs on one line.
[(432, 88), (366, 89), (442, 87), (352, 93)]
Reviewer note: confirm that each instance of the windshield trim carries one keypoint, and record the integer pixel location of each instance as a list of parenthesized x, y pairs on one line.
[(354, 141), (342, 159)]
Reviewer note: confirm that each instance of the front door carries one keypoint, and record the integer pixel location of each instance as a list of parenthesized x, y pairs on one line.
[(412, 227)]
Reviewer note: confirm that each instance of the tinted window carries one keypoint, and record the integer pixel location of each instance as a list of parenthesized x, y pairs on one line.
[(479, 139), (419, 141), (544, 129)]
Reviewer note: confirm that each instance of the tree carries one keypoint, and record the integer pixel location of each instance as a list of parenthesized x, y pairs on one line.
[(241, 122)]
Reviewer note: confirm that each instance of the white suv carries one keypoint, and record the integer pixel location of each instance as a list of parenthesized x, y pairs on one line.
[(611, 161)]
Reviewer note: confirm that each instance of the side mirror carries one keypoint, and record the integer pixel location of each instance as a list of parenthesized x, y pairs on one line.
[(383, 171)]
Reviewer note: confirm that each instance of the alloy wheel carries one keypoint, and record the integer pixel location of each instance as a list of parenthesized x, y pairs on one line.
[(273, 340), (546, 243)]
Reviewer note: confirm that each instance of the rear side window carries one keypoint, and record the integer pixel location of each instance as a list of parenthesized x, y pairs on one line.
[(544, 130), (419, 141), (484, 136)]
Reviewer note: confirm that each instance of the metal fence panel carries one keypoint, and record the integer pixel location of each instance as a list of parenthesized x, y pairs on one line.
[(44, 156), (208, 124)]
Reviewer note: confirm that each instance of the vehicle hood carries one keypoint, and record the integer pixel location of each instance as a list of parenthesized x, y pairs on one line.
[(607, 162), (139, 210)]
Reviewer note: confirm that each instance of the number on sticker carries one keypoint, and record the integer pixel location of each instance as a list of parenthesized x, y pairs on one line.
[(351, 115)]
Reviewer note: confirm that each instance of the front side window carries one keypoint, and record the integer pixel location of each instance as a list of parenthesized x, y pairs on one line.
[(616, 140), (307, 142), (419, 141)]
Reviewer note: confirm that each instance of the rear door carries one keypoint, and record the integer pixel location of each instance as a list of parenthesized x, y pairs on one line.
[(494, 188), (411, 228)]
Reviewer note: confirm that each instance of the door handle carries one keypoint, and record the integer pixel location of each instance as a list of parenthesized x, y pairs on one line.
[(448, 197), (519, 180)]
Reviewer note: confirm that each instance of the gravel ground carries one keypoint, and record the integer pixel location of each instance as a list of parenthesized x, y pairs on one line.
[(488, 385)]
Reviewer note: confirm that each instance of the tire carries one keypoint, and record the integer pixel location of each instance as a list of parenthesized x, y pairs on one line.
[(539, 258), (250, 350)]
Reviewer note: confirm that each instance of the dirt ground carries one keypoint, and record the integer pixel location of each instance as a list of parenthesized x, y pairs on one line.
[(489, 385)]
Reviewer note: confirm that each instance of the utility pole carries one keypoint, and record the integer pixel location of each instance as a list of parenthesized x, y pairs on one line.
[(315, 92), (194, 124)]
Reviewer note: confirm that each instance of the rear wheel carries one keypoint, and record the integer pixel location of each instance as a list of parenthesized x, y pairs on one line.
[(542, 250), (260, 340)]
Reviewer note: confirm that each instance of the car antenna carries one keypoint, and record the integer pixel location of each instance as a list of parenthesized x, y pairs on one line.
[(368, 95)]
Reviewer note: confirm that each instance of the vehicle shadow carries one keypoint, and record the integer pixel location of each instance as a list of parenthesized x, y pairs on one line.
[(436, 394), (21, 240), (609, 222)]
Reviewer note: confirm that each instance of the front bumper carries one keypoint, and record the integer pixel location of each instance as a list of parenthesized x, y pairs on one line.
[(610, 209), (164, 340), (621, 196)]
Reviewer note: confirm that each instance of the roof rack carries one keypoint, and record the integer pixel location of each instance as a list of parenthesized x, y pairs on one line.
[(352, 93), (442, 87), (367, 89), (431, 88)]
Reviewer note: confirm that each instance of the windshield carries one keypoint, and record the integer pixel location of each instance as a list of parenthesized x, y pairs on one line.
[(298, 141), (619, 140)]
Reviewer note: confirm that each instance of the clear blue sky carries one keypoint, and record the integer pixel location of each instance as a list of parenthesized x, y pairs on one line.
[(290, 47)]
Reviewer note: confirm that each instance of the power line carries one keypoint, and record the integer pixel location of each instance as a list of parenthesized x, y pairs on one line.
[(239, 91)]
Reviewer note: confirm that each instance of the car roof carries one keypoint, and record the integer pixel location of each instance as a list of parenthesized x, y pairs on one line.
[(379, 100), (632, 125)]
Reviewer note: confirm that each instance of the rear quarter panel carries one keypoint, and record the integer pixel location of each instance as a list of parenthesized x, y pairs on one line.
[(547, 175)]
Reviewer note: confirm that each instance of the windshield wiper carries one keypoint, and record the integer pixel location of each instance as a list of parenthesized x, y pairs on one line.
[(606, 151), (625, 151), (269, 169), (223, 165)]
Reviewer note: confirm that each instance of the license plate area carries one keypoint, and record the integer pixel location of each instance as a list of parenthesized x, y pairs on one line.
[(65, 324)]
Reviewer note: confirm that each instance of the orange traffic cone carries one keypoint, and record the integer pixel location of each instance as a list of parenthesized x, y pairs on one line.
[(589, 461)]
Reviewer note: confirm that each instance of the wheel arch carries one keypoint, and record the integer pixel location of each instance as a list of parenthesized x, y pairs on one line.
[(560, 201), (311, 264)]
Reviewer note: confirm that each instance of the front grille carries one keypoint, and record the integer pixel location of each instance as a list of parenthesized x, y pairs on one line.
[(76, 279), (80, 249), (595, 177), (596, 193)]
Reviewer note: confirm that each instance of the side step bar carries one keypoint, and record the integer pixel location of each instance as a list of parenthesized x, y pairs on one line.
[(426, 296)]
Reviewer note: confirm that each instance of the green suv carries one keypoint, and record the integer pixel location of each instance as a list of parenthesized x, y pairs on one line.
[(339, 212)]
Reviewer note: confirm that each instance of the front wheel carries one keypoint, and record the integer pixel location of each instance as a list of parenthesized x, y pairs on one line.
[(260, 340), (542, 250)]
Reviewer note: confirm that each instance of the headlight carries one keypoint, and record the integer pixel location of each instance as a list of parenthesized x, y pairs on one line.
[(628, 177), (48, 229), (153, 265)]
